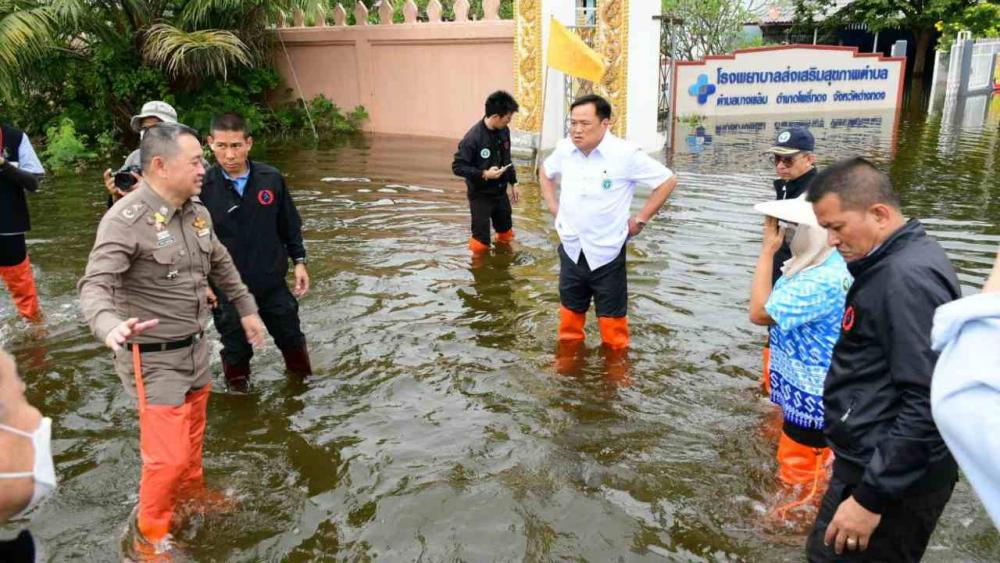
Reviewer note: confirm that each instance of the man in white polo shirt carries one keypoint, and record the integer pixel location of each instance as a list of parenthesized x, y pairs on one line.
[(596, 174)]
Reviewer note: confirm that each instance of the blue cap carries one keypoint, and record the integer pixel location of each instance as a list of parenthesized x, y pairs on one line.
[(793, 140)]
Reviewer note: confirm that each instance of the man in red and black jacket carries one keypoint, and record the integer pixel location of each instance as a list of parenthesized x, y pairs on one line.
[(19, 172), (255, 218), (483, 159), (893, 473)]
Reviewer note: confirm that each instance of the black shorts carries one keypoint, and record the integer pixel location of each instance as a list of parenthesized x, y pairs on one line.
[(13, 250), (901, 535), (607, 285), (278, 309), (485, 209)]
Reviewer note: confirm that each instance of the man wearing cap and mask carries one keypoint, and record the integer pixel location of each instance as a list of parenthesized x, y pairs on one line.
[(803, 311), (794, 162), (151, 114), (19, 173), (27, 474)]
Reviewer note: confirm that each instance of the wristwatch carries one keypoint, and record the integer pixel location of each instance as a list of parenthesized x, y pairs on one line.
[(300, 261)]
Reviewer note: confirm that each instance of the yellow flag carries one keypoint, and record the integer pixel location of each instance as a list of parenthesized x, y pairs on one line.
[(568, 53)]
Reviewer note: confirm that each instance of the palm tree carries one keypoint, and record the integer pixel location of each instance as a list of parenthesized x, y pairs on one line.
[(186, 40)]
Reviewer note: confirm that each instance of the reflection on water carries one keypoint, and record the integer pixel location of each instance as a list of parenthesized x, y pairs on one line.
[(440, 425)]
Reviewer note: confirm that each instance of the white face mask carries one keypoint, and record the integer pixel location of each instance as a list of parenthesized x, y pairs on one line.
[(43, 471)]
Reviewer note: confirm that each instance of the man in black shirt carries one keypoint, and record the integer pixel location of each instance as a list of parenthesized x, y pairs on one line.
[(255, 218), (893, 474), (483, 159)]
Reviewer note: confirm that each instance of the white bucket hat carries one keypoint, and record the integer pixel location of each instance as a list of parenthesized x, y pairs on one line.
[(160, 110), (796, 210)]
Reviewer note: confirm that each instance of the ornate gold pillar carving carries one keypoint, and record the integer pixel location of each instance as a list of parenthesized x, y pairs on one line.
[(612, 44), (528, 51)]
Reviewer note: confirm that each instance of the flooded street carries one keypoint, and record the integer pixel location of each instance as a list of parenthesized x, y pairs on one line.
[(436, 428)]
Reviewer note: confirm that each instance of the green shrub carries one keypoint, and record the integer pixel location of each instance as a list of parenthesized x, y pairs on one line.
[(64, 148)]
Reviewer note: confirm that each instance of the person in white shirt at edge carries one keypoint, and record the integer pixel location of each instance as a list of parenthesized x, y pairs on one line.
[(596, 173), (965, 390)]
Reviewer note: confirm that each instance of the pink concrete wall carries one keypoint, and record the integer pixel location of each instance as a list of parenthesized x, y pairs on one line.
[(427, 79)]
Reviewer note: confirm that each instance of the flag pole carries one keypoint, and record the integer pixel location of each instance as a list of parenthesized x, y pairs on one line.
[(541, 124)]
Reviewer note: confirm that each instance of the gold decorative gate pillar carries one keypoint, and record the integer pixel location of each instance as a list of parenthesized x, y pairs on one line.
[(612, 44), (529, 52), (528, 64)]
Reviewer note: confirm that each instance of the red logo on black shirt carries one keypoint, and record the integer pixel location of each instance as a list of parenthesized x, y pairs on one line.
[(265, 197), (848, 322)]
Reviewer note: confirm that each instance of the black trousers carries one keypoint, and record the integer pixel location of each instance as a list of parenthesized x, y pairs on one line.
[(607, 285), (13, 250), (901, 535), (489, 208), (279, 310)]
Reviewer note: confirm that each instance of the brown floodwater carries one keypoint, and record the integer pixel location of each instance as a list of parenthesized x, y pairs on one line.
[(436, 428)]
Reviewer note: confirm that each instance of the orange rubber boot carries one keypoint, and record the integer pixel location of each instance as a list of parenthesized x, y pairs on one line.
[(477, 247), (571, 324), (505, 237), (799, 464), (21, 282), (570, 341), (192, 492), (165, 443), (614, 331), (765, 378), (194, 475)]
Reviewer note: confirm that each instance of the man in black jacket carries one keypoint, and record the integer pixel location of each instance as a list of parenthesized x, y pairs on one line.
[(19, 171), (483, 159), (255, 218), (893, 474)]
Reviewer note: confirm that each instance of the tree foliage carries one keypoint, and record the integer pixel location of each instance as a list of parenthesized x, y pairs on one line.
[(982, 20), (95, 62), (710, 27)]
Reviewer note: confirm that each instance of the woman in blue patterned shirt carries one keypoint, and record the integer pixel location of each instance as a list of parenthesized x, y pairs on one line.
[(804, 309)]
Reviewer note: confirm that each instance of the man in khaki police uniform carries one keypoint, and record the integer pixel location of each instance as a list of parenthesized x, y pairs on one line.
[(153, 258)]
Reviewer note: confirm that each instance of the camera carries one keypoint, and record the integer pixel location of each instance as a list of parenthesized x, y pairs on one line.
[(124, 180)]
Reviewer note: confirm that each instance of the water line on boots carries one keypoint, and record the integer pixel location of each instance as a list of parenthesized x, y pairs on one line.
[(783, 509)]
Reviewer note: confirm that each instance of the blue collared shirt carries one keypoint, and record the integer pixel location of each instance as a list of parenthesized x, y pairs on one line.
[(240, 182)]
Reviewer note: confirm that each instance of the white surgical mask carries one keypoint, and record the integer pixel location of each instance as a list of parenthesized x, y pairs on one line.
[(43, 470)]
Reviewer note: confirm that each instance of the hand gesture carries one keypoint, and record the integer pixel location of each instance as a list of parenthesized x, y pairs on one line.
[(514, 194), (301, 280), (774, 235), (121, 333), (851, 527), (492, 173), (254, 329), (634, 227)]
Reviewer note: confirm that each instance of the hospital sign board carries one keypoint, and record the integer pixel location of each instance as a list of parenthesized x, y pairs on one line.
[(787, 78)]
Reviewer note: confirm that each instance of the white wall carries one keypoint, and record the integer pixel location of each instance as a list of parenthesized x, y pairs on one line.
[(555, 105), (643, 75)]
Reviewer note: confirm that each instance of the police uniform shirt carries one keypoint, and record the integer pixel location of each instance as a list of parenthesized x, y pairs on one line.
[(595, 195), (153, 261)]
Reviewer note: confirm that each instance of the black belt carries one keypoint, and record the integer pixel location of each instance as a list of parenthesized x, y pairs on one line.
[(164, 346)]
